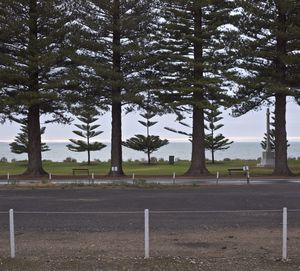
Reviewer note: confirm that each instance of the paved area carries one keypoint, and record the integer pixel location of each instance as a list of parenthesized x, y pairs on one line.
[(187, 208)]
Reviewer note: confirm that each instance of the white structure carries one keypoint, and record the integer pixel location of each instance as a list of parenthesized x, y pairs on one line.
[(268, 156)]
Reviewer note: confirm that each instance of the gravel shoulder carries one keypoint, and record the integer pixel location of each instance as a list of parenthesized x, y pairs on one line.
[(226, 250), (208, 241)]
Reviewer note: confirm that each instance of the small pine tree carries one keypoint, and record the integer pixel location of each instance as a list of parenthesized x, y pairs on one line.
[(215, 142), (212, 142), (20, 144), (149, 143), (87, 131)]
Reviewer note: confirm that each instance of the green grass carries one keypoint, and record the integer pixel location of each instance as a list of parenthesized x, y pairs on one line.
[(139, 168)]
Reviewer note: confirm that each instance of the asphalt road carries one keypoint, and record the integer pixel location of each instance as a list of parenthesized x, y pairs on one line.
[(203, 198)]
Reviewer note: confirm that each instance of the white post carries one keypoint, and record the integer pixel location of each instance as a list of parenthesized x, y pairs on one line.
[(284, 235), (248, 177), (7, 175), (218, 176), (93, 175), (133, 177), (12, 234), (146, 233), (50, 176), (174, 177)]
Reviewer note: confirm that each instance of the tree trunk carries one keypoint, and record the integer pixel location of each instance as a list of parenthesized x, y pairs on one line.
[(281, 161), (88, 146), (198, 166), (213, 156), (149, 158), (116, 131), (89, 157), (34, 167)]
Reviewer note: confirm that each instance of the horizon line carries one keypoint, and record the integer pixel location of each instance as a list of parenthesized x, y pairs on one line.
[(171, 140)]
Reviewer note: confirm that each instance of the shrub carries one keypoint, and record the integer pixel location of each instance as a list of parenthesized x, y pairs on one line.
[(97, 160), (226, 159), (153, 159), (13, 160), (3, 160), (70, 160)]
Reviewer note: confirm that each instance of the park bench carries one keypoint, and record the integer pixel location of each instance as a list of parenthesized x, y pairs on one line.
[(83, 170), (243, 169)]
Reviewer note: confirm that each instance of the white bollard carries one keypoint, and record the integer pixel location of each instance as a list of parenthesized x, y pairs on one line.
[(93, 175), (133, 178), (174, 177), (50, 176), (146, 234), (12, 234), (248, 177), (284, 235), (218, 177), (8, 176)]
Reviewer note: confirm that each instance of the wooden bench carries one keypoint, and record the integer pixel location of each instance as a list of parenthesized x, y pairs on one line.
[(244, 169), (84, 170)]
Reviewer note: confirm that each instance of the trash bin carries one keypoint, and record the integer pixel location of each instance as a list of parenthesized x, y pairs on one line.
[(171, 160)]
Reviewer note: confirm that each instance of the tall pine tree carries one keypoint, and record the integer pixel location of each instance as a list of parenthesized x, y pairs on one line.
[(33, 65), (269, 63), (115, 47), (194, 57)]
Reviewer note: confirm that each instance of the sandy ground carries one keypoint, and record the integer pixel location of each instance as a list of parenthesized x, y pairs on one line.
[(236, 249)]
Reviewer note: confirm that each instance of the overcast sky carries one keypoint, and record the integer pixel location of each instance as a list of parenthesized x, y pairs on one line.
[(250, 127)]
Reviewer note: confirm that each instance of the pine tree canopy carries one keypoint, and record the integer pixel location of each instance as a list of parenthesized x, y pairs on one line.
[(95, 31), (34, 53), (146, 144), (268, 47)]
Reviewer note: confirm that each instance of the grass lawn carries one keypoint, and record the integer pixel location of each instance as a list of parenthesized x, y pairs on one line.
[(139, 168)]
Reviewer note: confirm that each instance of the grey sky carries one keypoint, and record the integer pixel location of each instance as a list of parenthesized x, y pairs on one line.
[(249, 127)]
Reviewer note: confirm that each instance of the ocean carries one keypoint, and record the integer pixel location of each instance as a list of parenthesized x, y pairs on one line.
[(181, 150)]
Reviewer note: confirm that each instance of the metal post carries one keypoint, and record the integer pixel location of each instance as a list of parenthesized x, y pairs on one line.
[(146, 233), (174, 177), (12, 234), (133, 178), (284, 235)]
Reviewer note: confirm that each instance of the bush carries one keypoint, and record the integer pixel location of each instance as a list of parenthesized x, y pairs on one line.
[(153, 160), (70, 160), (226, 159), (161, 160), (97, 160), (13, 160), (3, 160)]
